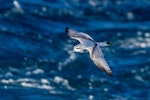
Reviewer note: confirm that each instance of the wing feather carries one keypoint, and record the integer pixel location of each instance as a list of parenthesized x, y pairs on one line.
[(80, 36), (98, 59)]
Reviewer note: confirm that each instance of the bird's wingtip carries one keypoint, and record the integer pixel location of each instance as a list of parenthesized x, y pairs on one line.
[(108, 43), (67, 29), (111, 74)]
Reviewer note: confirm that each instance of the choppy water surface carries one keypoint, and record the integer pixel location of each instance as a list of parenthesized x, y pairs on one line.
[(35, 62)]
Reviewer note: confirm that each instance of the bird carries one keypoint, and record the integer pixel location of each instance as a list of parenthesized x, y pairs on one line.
[(88, 44)]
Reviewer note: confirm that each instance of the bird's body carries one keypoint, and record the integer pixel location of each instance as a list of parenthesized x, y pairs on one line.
[(87, 43)]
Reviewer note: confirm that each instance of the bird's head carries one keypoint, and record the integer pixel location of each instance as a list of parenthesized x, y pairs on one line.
[(78, 48)]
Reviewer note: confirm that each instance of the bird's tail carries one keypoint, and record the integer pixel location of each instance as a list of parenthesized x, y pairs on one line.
[(103, 44)]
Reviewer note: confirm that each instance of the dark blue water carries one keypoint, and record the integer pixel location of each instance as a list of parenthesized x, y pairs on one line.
[(35, 62)]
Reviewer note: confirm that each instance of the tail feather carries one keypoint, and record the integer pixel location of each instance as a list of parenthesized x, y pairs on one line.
[(103, 44)]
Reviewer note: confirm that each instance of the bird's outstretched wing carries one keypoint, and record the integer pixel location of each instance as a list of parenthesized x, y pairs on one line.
[(80, 36), (97, 56)]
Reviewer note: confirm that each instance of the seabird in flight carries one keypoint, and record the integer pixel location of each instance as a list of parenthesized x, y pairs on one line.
[(88, 44)]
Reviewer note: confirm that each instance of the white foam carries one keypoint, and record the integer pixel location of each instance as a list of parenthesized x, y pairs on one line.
[(5, 87), (9, 81), (61, 80), (12, 69), (142, 69), (93, 3), (8, 74), (30, 83), (139, 33), (25, 84), (143, 45), (38, 71), (139, 52), (147, 34), (119, 2), (136, 42), (28, 73), (130, 15), (47, 87), (3, 28), (45, 81), (50, 40), (119, 34), (44, 9), (71, 58), (64, 82), (43, 60), (79, 76), (25, 58), (91, 97), (106, 89), (139, 78), (33, 84), (25, 80), (57, 79), (133, 71), (17, 6), (90, 87)]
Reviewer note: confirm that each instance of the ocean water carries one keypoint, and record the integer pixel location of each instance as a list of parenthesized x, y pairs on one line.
[(35, 58)]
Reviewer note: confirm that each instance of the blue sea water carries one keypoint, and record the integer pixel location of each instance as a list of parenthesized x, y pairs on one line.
[(35, 58)]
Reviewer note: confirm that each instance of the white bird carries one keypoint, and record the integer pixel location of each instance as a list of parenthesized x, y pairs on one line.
[(88, 44)]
